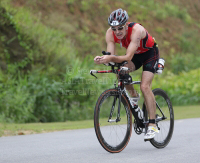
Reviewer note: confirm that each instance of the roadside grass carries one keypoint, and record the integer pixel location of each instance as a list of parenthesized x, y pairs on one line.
[(185, 112), (10, 129)]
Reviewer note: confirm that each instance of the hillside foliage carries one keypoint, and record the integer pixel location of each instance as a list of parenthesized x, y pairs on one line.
[(47, 50)]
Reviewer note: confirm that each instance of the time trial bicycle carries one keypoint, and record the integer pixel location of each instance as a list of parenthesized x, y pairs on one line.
[(114, 109)]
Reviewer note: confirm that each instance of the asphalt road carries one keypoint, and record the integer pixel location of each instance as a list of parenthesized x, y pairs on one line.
[(82, 146)]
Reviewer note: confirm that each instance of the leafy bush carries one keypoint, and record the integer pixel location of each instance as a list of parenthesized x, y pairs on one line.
[(36, 96), (188, 58), (188, 42), (42, 44), (183, 89), (171, 10), (159, 13), (57, 85), (16, 101), (184, 62)]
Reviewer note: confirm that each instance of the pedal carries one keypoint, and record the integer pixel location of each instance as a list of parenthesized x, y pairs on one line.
[(145, 140), (138, 130)]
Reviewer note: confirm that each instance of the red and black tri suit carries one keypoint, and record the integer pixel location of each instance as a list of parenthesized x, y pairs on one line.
[(147, 53)]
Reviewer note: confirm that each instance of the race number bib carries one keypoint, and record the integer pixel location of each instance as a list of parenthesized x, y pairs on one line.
[(115, 23)]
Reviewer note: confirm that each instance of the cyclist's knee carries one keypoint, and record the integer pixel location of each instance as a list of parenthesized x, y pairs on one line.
[(145, 87), (131, 66)]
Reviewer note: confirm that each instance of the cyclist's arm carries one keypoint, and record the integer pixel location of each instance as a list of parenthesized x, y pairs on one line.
[(136, 36), (111, 47)]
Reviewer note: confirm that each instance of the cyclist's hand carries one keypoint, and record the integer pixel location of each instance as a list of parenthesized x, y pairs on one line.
[(105, 59), (97, 59)]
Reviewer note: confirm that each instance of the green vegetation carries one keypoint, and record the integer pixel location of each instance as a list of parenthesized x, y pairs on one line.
[(171, 10), (47, 50), (8, 129), (41, 92), (182, 89)]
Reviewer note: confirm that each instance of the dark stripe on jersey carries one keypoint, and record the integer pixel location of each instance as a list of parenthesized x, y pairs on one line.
[(144, 41), (131, 24)]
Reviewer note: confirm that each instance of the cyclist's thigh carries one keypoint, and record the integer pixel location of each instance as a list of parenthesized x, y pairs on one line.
[(131, 66), (151, 59), (137, 61)]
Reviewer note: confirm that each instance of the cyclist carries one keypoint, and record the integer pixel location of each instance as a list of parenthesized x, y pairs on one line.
[(141, 49)]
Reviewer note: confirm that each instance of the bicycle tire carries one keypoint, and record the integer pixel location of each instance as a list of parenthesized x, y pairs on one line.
[(162, 139), (114, 143)]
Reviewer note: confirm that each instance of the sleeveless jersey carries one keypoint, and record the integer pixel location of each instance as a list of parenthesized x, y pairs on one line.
[(145, 43)]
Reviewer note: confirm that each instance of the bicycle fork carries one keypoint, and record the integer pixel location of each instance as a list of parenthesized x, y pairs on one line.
[(119, 96), (113, 107)]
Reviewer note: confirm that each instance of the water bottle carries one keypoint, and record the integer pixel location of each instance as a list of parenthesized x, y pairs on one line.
[(160, 66)]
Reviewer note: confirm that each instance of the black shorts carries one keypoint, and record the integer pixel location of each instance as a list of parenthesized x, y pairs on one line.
[(147, 59)]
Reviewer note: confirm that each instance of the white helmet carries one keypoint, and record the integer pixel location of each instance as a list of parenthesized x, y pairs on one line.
[(118, 17)]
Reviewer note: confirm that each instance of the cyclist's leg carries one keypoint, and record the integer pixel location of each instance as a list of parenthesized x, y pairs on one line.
[(146, 81), (149, 98), (133, 65), (147, 77), (130, 88)]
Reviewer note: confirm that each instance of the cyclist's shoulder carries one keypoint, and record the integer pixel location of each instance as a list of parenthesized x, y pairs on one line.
[(109, 30), (134, 28), (138, 28), (109, 35), (135, 25)]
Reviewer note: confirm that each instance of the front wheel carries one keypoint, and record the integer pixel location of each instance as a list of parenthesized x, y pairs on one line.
[(112, 134), (164, 119)]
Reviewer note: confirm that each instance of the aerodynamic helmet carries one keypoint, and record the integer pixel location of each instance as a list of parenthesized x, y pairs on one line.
[(118, 17)]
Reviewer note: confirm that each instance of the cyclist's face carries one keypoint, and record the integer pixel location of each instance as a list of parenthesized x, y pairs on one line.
[(120, 31)]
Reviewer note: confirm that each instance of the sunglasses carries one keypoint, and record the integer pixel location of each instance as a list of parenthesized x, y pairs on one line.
[(119, 28)]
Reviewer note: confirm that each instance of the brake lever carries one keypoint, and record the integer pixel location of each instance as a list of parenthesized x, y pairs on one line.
[(92, 73)]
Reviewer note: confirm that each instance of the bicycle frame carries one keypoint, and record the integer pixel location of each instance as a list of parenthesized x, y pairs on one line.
[(121, 89), (140, 122)]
